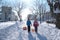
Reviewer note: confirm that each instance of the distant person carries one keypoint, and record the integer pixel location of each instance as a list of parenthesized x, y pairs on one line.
[(36, 24), (28, 24)]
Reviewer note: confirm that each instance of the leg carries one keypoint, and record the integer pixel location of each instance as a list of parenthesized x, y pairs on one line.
[(28, 28), (36, 29)]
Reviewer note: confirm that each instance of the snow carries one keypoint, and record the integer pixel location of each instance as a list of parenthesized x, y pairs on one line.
[(8, 31), (50, 31), (57, 10), (6, 24), (14, 31)]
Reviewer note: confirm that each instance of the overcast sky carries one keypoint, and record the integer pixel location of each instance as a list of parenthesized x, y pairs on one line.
[(27, 3)]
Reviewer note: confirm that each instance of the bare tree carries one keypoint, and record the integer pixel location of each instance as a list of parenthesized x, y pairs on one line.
[(39, 8), (0, 2), (18, 7)]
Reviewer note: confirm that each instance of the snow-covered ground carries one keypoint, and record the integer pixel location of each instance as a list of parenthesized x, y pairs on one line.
[(14, 31), (50, 31), (8, 31), (6, 24)]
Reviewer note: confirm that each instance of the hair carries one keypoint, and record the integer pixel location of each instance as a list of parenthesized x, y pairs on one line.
[(28, 18)]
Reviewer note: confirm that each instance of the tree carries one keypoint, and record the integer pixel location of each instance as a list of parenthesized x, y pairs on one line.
[(15, 4), (0, 1), (39, 8), (18, 7)]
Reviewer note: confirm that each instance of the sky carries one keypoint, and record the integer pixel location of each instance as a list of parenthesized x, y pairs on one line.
[(25, 13), (28, 3)]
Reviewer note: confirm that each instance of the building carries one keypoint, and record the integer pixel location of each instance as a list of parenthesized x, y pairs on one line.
[(0, 13), (14, 16), (6, 11), (31, 16), (7, 14)]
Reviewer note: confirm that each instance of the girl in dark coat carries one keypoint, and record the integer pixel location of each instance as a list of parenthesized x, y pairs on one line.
[(36, 24)]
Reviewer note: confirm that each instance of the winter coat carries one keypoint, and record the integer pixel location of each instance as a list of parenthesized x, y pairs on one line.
[(35, 24), (28, 23)]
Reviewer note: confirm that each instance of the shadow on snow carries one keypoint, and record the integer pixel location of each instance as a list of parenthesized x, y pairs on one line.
[(41, 37), (31, 37)]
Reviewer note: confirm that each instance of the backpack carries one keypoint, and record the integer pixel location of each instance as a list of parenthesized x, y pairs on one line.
[(35, 24)]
